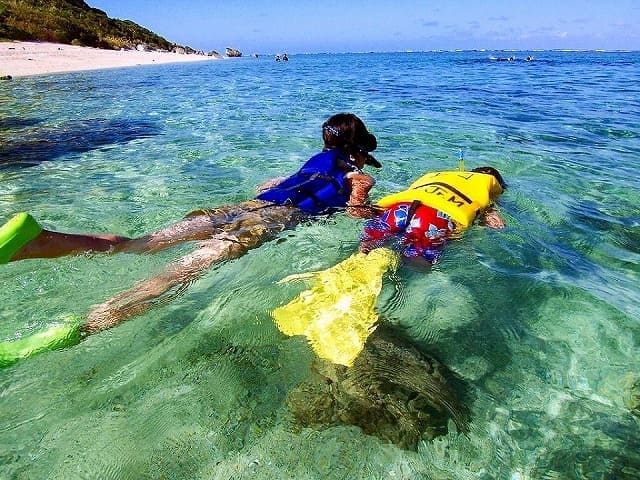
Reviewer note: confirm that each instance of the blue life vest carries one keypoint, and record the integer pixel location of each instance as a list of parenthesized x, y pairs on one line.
[(317, 187)]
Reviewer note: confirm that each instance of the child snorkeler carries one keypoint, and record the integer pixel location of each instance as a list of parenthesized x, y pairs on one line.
[(418, 221), (337, 313)]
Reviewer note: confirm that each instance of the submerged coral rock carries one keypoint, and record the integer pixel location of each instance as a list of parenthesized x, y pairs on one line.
[(630, 386), (392, 391)]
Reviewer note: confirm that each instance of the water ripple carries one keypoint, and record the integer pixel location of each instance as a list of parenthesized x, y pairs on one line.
[(540, 318)]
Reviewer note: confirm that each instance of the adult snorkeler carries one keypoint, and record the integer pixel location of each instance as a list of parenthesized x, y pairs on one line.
[(329, 180), (332, 179)]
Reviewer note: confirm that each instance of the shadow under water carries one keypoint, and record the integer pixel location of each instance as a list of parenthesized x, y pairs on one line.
[(393, 391), (8, 123), (79, 136)]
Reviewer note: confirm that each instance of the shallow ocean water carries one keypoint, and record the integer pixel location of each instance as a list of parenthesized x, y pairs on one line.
[(541, 320)]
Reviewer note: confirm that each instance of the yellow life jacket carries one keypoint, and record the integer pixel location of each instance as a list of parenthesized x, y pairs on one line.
[(461, 195)]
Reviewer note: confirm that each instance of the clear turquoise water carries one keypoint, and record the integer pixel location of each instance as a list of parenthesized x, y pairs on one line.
[(541, 319)]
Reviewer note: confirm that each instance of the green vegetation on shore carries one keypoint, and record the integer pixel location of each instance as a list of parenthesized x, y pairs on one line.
[(72, 22)]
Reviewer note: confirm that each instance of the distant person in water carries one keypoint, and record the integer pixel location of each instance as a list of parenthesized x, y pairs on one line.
[(330, 180), (419, 221)]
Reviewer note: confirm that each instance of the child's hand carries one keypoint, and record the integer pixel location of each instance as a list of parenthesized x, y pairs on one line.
[(493, 220)]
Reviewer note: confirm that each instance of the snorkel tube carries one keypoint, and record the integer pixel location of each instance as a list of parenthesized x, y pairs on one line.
[(461, 160)]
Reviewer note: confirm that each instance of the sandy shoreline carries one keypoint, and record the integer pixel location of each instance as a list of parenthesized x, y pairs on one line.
[(21, 59)]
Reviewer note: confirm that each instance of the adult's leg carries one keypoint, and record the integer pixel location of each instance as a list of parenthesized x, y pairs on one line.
[(49, 244), (253, 228), (147, 294), (197, 225)]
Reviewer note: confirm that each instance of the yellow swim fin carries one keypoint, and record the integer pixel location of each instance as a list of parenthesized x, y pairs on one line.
[(337, 313)]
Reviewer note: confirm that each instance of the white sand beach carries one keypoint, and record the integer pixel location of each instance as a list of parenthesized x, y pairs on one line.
[(20, 59)]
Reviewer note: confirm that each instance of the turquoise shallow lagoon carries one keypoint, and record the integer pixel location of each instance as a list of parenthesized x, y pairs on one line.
[(541, 320)]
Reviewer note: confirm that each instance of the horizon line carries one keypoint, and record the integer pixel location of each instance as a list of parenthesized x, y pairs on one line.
[(457, 50)]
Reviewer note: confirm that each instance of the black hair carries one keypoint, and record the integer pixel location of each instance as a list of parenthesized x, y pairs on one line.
[(347, 132), (493, 172)]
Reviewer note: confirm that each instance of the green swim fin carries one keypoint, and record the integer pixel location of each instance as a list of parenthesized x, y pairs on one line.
[(59, 336), (337, 313), (16, 233)]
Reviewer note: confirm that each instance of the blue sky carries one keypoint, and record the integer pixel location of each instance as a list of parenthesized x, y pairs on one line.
[(301, 26)]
